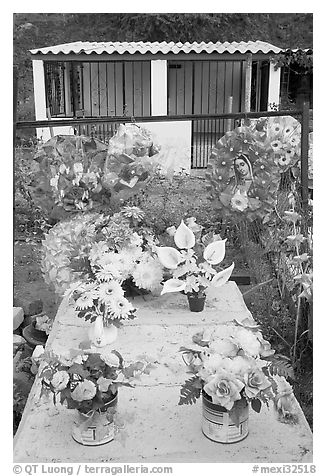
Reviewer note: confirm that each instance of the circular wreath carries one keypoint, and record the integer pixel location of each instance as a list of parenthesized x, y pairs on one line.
[(243, 175), (284, 135)]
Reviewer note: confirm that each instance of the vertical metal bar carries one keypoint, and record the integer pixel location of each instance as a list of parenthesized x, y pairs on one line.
[(184, 87), (15, 96), (304, 153), (90, 89), (98, 89), (107, 88)]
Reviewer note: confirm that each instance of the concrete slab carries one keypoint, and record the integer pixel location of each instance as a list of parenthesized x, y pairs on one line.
[(161, 431)]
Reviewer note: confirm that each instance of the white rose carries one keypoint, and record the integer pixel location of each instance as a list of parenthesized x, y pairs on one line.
[(60, 380), (225, 347), (248, 342), (111, 359)]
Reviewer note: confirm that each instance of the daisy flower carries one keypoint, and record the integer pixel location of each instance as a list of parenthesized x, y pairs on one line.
[(284, 160), (276, 145), (132, 212), (107, 273), (120, 308), (85, 301), (110, 290)]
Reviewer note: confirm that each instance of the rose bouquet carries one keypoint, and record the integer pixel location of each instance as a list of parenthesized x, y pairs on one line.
[(234, 362), (191, 262), (88, 381)]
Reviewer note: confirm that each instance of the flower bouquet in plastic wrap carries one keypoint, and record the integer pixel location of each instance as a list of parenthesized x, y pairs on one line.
[(130, 161)]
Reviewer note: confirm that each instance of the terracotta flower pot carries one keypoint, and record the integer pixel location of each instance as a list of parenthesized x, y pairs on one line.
[(218, 422), (96, 427), (196, 303)]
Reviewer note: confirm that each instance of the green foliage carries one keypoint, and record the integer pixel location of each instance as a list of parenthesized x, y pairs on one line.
[(300, 61), (190, 391), (280, 365)]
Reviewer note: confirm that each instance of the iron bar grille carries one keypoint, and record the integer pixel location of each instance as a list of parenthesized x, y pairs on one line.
[(54, 73)]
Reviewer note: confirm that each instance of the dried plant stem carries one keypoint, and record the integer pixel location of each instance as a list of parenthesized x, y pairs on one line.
[(257, 286)]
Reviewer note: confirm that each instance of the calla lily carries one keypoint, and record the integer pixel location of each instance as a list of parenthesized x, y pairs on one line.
[(173, 286), (222, 277), (214, 253), (184, 238), (168, 256)]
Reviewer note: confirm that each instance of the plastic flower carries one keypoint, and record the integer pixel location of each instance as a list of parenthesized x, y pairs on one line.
[(84, 301), (226, 347), (148, 274), (85, 390), (109, 290), (255, 381), (248, 342), (132, 212), (224, 389), (60, 380), (110, 359), (120, 308), (239, 201)]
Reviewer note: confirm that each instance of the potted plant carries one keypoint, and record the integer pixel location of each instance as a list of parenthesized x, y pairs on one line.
[(191, 263), (89, 383), (233, 367)]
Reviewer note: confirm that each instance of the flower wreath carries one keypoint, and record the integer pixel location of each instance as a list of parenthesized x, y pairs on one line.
[(253, 195), (284, 135)]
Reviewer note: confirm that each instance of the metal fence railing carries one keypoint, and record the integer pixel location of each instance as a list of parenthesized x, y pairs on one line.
[(104, 128)]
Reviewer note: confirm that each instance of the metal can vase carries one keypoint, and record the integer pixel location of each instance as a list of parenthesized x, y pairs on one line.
[(218, 424), (96, 428)]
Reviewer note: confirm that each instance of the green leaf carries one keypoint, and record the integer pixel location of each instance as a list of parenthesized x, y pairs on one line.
[(280, 365), (115, 352), (256, 405), (190, 391), (79, 370)]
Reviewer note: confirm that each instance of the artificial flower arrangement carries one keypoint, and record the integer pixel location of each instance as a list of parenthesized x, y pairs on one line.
[(114, 247), (191, 262), (119, 259), (234, 362), (73, 167), (89, 382)]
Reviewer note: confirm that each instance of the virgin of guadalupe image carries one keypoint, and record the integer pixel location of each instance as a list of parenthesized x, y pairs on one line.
[(235, 194)]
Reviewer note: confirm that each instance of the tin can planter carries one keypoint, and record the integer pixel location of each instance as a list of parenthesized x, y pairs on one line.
[(218, 424), (97, 427), (196, 303)]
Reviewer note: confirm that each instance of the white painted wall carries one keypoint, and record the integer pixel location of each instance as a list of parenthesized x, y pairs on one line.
[(175, 141), (274, 86), (174, 137), (43, 134)]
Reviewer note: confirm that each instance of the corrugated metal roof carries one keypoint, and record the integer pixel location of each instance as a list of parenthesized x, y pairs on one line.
[(158, 47)]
